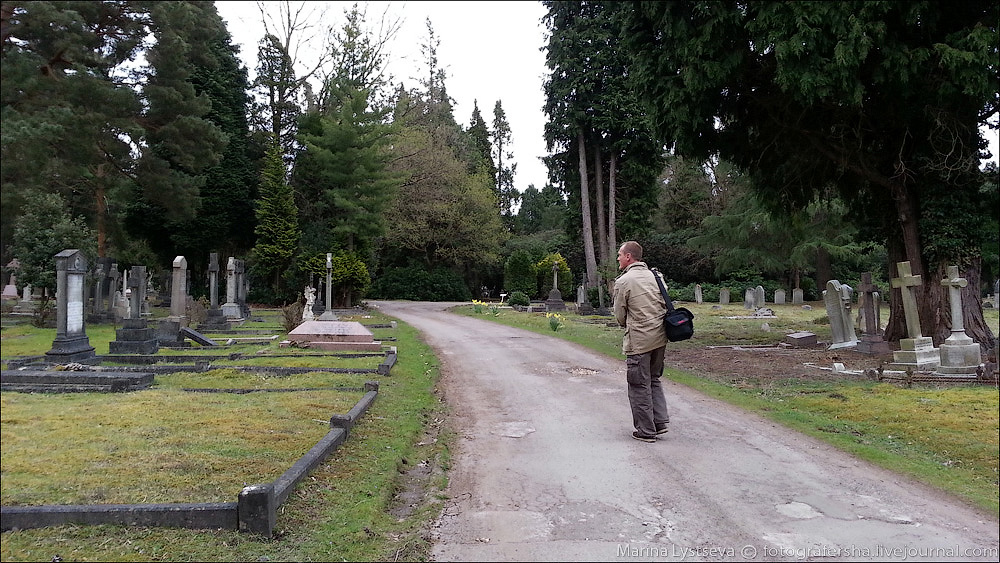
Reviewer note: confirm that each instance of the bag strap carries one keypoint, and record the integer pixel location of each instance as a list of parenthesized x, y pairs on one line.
[(663, 291)]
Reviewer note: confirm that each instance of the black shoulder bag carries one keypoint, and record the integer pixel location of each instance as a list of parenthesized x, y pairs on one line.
[(678, 322)]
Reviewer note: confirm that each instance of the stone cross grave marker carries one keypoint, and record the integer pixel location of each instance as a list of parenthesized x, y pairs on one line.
[(906, 282), (959, 354), (71, 343), (555, 301), (917, 351)]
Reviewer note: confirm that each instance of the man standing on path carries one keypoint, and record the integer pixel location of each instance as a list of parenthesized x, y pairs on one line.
[(639, 308)]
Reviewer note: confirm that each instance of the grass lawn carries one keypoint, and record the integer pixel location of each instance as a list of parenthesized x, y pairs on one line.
[(167, 445)]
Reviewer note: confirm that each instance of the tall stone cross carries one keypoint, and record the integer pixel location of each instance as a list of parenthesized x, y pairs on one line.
[(955, 284), (905, 282), (555, 276)]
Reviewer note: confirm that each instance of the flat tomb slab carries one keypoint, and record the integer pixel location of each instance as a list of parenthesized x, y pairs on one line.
[(330, 331)]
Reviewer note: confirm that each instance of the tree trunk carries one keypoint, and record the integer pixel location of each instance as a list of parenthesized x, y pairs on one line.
[(612, 212), (823, 270), (602, 230), (588, 231)]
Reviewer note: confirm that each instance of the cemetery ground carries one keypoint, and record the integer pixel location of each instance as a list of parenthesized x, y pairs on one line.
[(377, 496)]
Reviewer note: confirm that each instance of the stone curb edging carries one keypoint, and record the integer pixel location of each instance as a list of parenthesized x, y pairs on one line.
[(254, 512)]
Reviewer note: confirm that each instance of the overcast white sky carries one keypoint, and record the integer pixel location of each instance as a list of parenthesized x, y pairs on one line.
[(489, 50)]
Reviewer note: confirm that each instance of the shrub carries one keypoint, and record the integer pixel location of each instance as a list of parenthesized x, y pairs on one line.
[(415, 283), (519, 298), (519, 273)]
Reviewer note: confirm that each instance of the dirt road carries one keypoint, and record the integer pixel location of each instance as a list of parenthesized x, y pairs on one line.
[(545, 469)]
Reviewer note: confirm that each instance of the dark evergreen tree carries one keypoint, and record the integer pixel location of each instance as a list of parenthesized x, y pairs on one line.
[(277, 225), (882, 100), (505, 166)]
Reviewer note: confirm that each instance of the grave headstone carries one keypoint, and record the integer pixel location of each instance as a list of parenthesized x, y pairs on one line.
[(135, 336), (215, 319), (178, 291), (917, 351), (71, 343), (583, 306), (103, 291), (797, 297), (748, 299), (869, 306), (26, 305), (328, 313), (758, 297), (960, 355), (837, 298), (555, 301), (697, 293), (724, 296), (779, 297), (242, 288), (10, 290), (230, 309)]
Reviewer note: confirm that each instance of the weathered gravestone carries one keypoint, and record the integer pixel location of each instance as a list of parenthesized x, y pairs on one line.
[(135, 336), (230, 309), (178, 292), (10, 290), (103, 292), (869, 307), (583, 305), (838, 309), (758, 297), (724, 296), (959, 354), (215, 319), (779, 297), (555, 301), (71, 343), (242, 288), (697, 293), (26, 305), (797, 297), (748, 299), (916, 352)]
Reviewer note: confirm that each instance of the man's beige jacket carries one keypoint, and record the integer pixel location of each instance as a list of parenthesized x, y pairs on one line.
[(639, 308)]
